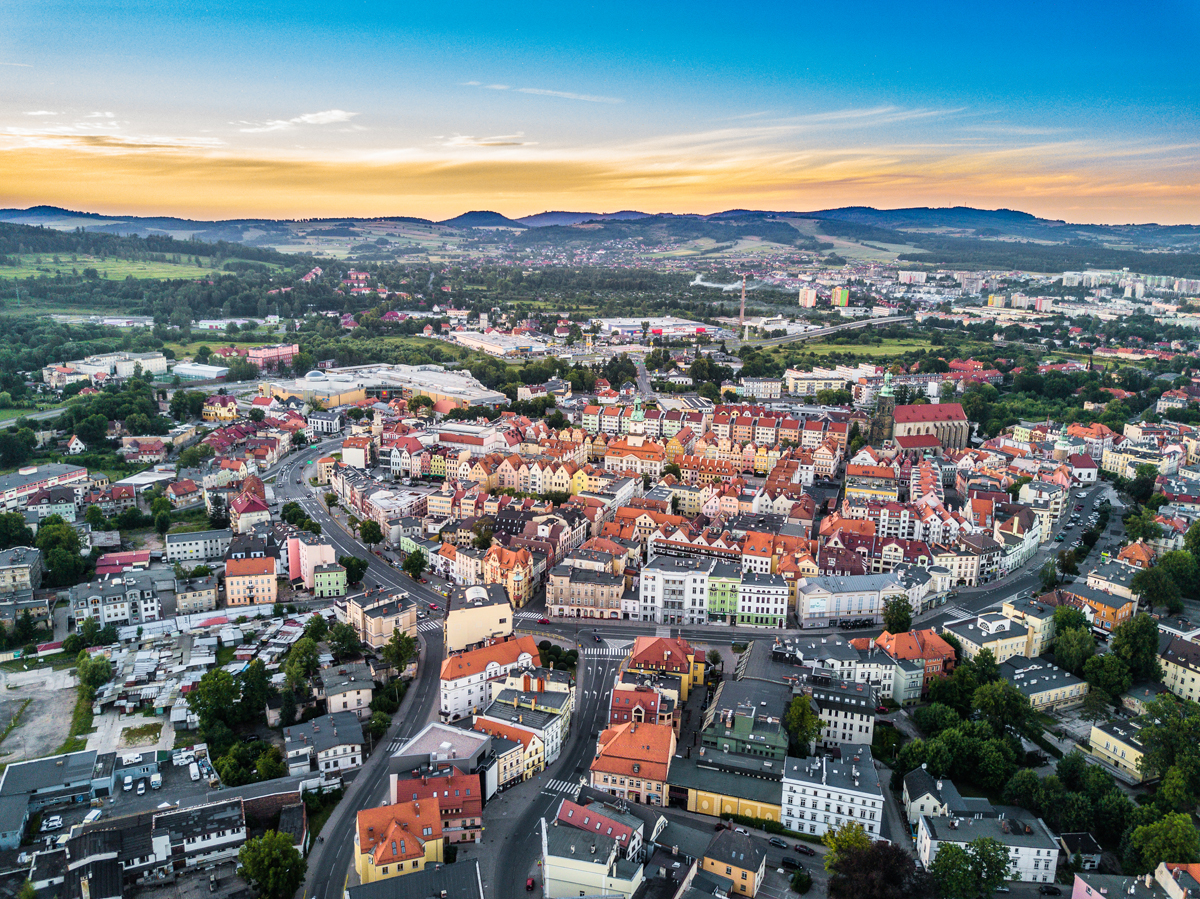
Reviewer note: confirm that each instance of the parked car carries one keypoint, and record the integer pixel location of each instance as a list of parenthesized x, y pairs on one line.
[(804, 850), (1048, 890), (433, 605), (54, 822), (742, 831), (141, 790), (791, 864), (776, 841), (530, 884)]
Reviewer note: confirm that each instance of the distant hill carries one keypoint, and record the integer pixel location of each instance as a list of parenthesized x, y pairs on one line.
[(546, 219), (481, 219)]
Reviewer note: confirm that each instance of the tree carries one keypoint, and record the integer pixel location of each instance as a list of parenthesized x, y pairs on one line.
[(399, 650), (802, 723), (1097, 705), (255, 686), (414, 565), (714, 658), (316, 628), (378, 724), (343, 640), (881, 871), (1068, 618), (302, 661), (1191, 540), (897, 615), (14, 531), (256, 414), (1156, 588), (1023, 789), (214, 698), (986, 669), (1140, 525), (935, 718), (1180, 566), (270, 764), (1073, 648), (970, 871), (1136, 641), (93, 672), (848, 838), (1108, 673), (355, 568), (162, 523), (218, 516), (272, 863), (370, 533), (1049, 575), (1171, 839), (1002, 705)]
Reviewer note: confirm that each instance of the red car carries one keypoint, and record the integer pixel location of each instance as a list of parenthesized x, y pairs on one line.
[(543, 621), (434, 606), (423, 581), (804, 850), (530, 884)]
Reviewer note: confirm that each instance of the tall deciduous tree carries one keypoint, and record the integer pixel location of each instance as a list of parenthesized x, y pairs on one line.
[(881, 871), (1173, 838), (897, 615), (1073, 648), (272, 863), (849, 838), (1136, 641)]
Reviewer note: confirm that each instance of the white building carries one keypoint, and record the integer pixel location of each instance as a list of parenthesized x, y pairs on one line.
[(821, 794), (674, 590), (198, 546), (331, 743), (763, 600), (824, 601), (126, 598), (1033, 851), (847, 713), (465, 676)]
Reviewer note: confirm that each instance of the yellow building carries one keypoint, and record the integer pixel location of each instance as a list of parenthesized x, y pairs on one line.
[(477, 614), (1037, 618), (1003, 636), (525, 762), (739, 858), (513, 569), (713, 790), (1181, 666), (393, 840), (1116, 744)]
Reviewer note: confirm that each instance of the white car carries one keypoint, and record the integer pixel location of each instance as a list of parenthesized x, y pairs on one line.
[(54, 822), (1081, 494)]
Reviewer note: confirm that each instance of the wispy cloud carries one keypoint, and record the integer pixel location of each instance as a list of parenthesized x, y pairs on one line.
[(41, 112), (20, 65), (327, 117), (567, 95), (502, 140), (543, 92), (101, 115)]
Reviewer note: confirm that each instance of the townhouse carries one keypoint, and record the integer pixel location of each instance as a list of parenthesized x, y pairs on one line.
[(823, 794)]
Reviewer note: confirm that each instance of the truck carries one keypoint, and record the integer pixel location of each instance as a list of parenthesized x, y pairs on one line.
[(155, 781), (194, 771)]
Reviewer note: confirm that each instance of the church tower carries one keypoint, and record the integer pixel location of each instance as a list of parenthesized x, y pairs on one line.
[(1062, 446), (885, 410)]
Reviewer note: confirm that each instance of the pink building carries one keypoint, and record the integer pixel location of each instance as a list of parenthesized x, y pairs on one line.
[(306, 552), (269, 357)]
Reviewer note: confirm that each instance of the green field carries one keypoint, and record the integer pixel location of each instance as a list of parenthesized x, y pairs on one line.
[(33, 266)]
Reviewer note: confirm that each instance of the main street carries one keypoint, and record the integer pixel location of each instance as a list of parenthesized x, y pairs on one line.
[(330, 861)]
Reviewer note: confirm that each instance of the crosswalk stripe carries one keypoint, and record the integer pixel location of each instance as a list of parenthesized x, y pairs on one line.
[(561, 786), (959, 612), (609, 652), (431, 625)]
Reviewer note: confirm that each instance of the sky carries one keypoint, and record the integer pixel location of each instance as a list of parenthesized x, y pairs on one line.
[(1088, 112)]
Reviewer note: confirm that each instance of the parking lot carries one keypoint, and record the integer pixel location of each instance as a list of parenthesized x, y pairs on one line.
[(47, 719)]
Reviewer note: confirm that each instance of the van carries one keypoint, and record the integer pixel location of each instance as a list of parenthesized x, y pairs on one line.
[(193, 770), (128, 785), (155, 781), (93, 816), (791, 864)]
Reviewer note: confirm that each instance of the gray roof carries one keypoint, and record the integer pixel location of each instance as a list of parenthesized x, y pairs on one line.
[(554, 702), (969, 630), (736, 849), (53, 771), (696, 774), (853, 583), (855, 771), (858, 698), (691, 841), (731, 694), (326, 732), (1034, 676), (570, 842), (1083, 843), (201, 819), (19, 555), (677, 564), (466, 597), (1032, 608), (189, 537), (1182, 652), (1115, 572), (1112, 600), (817, 648), (458, 881), (920, 782), (346, 677), (1120, 885), (1010, 830), (758, 579), (587, 576), (727, 570), (17, 479), (533, 719), (1127, 732)]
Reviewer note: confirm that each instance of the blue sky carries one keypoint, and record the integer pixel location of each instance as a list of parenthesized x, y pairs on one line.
[(1070, 110)]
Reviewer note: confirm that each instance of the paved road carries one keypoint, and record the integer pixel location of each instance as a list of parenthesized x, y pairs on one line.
[(595, 676), (330, 861)]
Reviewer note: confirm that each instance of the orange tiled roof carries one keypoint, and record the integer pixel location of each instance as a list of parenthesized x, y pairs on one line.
[(393, 833), (648, 746), (473, 662)]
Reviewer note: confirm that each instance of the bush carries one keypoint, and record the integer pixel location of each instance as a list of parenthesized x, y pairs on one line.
[(802, 882)]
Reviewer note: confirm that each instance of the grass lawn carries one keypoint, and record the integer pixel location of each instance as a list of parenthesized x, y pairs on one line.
[(56, 661), (32, 265), (143, 734), (225, 655)]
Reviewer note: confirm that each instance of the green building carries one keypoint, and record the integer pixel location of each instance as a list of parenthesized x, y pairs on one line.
[(746, 717), (329, 580), (724, 582)]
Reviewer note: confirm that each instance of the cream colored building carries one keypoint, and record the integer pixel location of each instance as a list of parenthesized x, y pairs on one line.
[(1003, 636), (1181, 667), (377, 614), (198, 594), (477, 614), (1037, 618), (1117, 744)]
